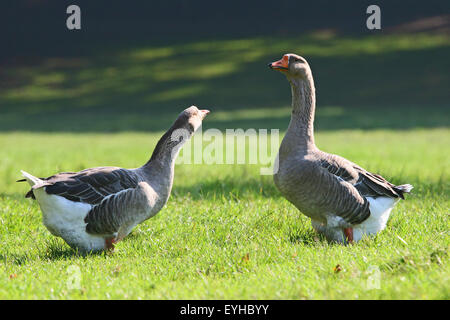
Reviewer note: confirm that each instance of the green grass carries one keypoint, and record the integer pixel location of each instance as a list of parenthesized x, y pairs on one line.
[(226, 232)]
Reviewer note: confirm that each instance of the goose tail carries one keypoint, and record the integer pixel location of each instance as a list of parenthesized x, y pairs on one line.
[(403, 188), (32, 180)]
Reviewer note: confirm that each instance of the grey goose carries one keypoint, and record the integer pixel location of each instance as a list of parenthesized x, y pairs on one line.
[(94, 208), (343, 200)]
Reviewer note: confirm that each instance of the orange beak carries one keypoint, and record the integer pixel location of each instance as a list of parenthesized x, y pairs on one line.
[(204, 113), (282, 65)]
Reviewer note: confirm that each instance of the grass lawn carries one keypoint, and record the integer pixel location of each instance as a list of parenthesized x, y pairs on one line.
[(226, 233)]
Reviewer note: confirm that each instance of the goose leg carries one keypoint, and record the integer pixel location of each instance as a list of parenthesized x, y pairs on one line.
[(109, 244), (349, 234), (123, 232)]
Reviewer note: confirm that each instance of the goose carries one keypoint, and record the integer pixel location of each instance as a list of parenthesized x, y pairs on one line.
[(344, 201), (97, 207)]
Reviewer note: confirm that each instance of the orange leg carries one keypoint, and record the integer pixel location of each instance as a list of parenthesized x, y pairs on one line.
[(349, 234), (109, 244)]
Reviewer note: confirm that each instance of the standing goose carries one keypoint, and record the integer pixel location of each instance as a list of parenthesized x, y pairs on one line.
[(94, 208), (343, 200)]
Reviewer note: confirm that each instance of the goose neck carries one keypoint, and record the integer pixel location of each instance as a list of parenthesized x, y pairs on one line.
[(167, 149), (301, 126)]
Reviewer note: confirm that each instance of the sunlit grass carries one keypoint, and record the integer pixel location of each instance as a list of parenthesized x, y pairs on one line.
[(226, 233)]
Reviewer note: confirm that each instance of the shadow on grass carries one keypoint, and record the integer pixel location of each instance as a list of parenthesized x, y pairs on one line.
[(307, 237), (57, 250), (361, 82), (61, 252), (52, 251), (244, 189), (229, 188)]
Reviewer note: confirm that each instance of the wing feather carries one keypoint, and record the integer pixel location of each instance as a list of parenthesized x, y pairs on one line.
[(368, 184), (91, 185), (118, 211)]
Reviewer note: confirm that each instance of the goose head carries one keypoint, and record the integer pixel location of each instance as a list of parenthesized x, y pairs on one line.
[(187, 122), (293, 66), (190, 119)]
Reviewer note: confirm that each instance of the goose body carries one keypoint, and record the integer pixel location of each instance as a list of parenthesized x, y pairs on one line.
[(344, 201), (94, 208)]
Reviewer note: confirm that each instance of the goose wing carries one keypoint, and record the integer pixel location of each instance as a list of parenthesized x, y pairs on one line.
[(89, 186), (336, 194), (368, 184), (120, 212), (118, 197), (321, 195)]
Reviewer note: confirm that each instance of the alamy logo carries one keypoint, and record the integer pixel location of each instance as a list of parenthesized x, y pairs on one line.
[(230, 147), (73, 281), (73, 21), (373, 278), (374, 20)]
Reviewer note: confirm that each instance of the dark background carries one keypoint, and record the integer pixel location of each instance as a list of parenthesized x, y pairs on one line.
[(39, 25), (93, 88)]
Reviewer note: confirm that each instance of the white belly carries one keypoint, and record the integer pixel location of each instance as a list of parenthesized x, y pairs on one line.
[(65, 219), (380, 210)]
